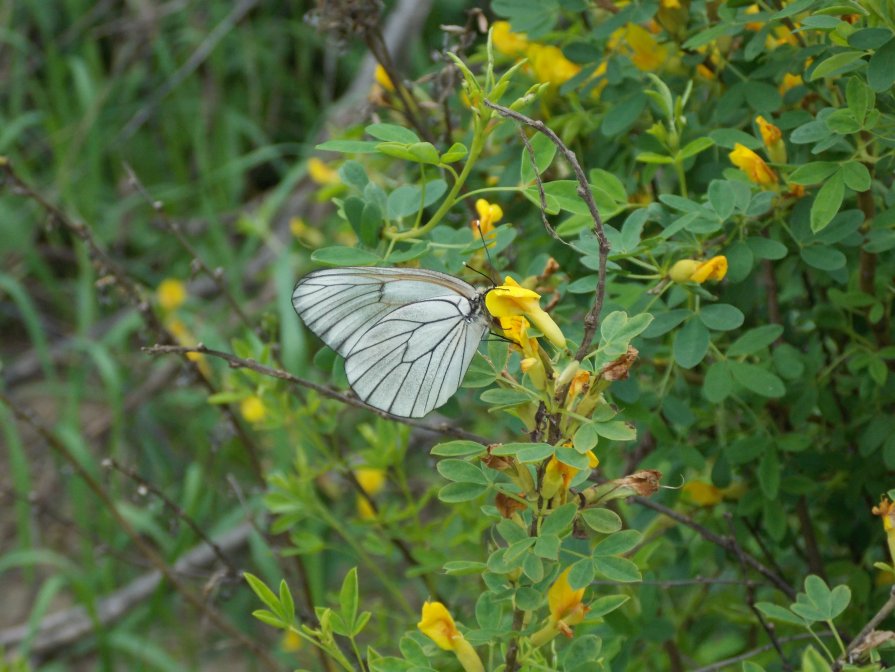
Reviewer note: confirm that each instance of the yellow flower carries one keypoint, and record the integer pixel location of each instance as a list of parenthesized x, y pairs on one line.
[(370, 479), (291, 641), (320, 173), (382, 78), (170, 294), (438, 625), (506, 41), (646, 53), (306, 234), (489, 215), (510, 299), (565, 605), (773, 139), (182, 335), (515, 328), (753, 165), (534, 367), (670, 4), (790, 81), (253, 409), (579, 382), (558, 475), (703, 494), (887, 511), (692, 270), (549, 65)]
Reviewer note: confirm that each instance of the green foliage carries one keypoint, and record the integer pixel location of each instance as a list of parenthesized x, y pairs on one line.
[(757, 390)]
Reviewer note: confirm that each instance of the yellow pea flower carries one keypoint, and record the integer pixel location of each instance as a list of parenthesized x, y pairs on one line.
[(321, 173), (549, 65), (772, 137), (506, 41), (566, 608), (371, 481), (702, 493), (170, 294), (646, 52), (692, 270), (510, 299), (438, 625), (790, 81), (579, 383), (183, 336), (291, 641), (753, 165), (534, 368), (558, 475), (886, 511), (515, 328), (382, 78), (253, 409), (489, 215)]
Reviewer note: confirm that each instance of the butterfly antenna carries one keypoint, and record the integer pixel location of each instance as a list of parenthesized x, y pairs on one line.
[(483, 274), (478, 226)]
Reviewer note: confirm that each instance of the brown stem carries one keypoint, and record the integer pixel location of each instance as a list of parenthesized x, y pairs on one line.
[(727, 544), (239, 363), (883, 612), (592, 319)]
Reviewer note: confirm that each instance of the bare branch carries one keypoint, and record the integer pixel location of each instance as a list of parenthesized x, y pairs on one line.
[(239, 363), (883, 612), (592, 319), (541, 195)]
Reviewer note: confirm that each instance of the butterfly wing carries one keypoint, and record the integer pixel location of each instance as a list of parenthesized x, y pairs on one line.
[(407, 335)]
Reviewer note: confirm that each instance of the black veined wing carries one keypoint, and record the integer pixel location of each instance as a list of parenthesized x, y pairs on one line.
[(407, 335)]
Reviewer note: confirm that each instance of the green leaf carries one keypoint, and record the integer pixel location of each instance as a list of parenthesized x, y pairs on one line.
[(457, 449), (618, 543), (571, 457), (860, 98), (718, 383), (463, 567), (265, 594), (665, 322), (606, 604), (754, 340), (721, 198), (544, 151), (778, 613), (460, 492), (425, 152), (339, 255), (348, 146), (617, 569), (694, 147), (842, 122), (505, 397), (823, 258), (690, 344), (602, 520), (565, 192), (881, 71), (615, 430), (827, 202), (623, 115), (769, 474), (856, 176), (461, 471), (370, 222), (348, 598), (560, 519), (653, 157), (813, 172), (392, 133), (287, 602), (813, 661), (525, 452), (581, 574), (353, 174), (758, 380), (456, 152), (547, 546), (586, 438), (721, 316), (729, 137), (766, 248), (834, 64)]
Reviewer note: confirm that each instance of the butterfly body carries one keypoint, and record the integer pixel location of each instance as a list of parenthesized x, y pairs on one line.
[(407, 335)]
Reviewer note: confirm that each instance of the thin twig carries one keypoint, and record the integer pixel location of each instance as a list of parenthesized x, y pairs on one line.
[(541, 195), (727, 663), (239, 363), (173, 507), (216, 275), (884, 611), (148, 551), (750, 595), (720, 541), (592, 319)]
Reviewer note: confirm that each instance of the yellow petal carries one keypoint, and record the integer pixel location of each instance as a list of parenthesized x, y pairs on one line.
[(171, 294), (753, 165), (713, 269), (438, 625), (253, 409), (562, 601), (371, 479)]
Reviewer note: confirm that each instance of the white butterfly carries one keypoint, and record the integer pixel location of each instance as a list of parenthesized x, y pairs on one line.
[(407, 335)]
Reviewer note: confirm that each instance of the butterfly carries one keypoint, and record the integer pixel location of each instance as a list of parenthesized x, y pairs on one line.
[(407, 335)]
